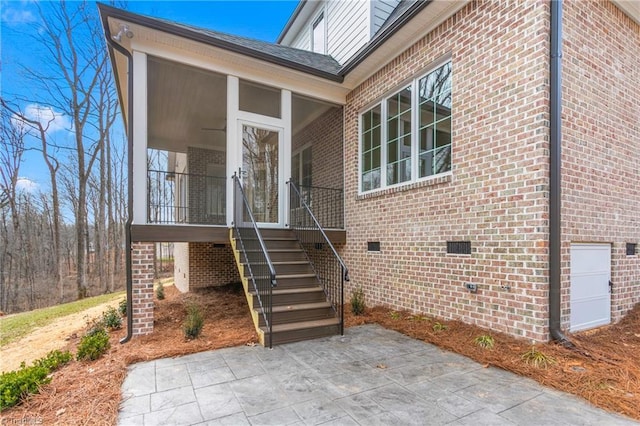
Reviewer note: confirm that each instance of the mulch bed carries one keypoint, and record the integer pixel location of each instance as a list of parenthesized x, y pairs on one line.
[(603, 368)]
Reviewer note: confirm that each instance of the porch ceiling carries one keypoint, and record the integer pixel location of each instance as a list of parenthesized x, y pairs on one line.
[(185, 105)]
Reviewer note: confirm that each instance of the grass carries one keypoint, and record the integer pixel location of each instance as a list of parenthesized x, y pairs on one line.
[(13, 327)]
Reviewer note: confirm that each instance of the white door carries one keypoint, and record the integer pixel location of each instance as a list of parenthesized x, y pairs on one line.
[(590, 290), (262, 174)]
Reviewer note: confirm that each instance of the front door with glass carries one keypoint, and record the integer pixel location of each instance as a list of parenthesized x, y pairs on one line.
[(261, 172)]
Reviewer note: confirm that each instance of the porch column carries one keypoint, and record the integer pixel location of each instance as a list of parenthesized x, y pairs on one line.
[(142, 274)]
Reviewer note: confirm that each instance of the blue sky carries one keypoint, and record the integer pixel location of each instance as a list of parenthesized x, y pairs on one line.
[(19, 22)]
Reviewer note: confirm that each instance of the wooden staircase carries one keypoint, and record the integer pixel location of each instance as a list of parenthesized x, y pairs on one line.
[(300, 307)]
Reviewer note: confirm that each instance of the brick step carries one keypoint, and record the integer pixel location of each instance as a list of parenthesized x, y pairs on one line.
[(295, 332), (301, 312)]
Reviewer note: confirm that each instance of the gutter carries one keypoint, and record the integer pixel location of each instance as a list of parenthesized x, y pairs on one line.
[(129, 125), (555, 174)]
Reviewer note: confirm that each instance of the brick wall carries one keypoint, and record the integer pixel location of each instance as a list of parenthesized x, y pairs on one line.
[(601, 142), (210, 265), (325, 135), (142, 275), (496, 195)]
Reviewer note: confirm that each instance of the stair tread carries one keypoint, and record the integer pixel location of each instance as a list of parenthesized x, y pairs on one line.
[(304, 324), (298, 307), (293, 290), (288, 276), (288, 262)]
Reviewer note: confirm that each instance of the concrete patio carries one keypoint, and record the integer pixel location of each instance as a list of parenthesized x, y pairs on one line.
[(369, 376)]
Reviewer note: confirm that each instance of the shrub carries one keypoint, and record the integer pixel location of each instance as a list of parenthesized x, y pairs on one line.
[(15, 386), (112, 319), (485, 341), (357, 302), (193, 323), (394, 315), (160, 291), (54, 360), (93, 344), (122, 307)]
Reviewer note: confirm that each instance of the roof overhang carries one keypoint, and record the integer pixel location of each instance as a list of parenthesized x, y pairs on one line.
[(418, 21), (180, 44), (630, 7)]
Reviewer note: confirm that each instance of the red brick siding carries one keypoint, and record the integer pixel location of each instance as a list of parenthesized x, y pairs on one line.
[(142, 255), (211, 266), (496, 196), (601, 142), (198, 159), (325, 135)]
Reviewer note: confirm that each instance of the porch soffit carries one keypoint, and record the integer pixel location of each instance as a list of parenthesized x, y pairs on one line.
[(365, 63), (216, 59)]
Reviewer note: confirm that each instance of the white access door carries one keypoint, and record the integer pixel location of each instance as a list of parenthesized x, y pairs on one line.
[(590, 291)]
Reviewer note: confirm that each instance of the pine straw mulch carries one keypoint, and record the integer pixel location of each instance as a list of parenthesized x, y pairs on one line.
[(604, 368)]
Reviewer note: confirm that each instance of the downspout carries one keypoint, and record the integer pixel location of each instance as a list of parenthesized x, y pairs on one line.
[(127, 249), (555, 172)]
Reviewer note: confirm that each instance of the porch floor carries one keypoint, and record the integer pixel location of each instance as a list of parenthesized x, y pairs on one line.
[(368, 376)]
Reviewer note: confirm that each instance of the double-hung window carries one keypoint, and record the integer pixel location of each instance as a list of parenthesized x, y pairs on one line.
[(407, 136)]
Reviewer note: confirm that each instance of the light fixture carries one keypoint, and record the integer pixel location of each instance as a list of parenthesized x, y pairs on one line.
[(123, 29)]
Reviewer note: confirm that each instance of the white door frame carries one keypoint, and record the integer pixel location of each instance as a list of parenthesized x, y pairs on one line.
[(590, 307), (234, 144)]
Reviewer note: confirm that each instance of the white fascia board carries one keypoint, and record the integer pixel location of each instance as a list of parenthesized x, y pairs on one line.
[(630, 7), (222, 61)]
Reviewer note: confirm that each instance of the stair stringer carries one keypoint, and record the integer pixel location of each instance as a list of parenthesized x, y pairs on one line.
[(247, 286)]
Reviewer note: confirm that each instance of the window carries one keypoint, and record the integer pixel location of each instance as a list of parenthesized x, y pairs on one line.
[(407, 136), (301, 167), (319, 35)]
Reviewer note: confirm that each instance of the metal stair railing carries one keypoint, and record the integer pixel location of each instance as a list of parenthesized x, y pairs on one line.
[(261, 270), (327, 263)]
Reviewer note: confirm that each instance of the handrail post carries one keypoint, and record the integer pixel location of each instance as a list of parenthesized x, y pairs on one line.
[(257, 271), (296, 201)]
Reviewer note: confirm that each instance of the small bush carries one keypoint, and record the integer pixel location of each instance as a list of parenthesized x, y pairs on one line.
[(112, 319), (16, 386), (394, 315), (54, 360), (537, 358), (485, 341), (122, 307), (193, 323), (438, 327), (357, 302), (160, 291), (93, 344)]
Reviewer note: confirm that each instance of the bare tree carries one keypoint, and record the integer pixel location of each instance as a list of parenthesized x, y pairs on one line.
[(40, 130), (70, 34)]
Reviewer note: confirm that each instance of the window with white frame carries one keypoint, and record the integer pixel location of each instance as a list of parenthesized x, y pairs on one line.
[(407, 136), (319, 35)]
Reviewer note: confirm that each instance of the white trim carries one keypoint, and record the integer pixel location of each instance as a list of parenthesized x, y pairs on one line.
[(281, 164), (224, 62), (140, 138), (233, 159), (286, 103), (382, 102)]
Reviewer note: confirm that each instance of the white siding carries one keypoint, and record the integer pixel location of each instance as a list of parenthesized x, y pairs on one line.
[(348, 28), (381, 9), (303, 38)]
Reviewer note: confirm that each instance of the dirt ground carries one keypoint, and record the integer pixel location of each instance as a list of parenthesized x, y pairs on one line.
[(603, 367), (45, 339)]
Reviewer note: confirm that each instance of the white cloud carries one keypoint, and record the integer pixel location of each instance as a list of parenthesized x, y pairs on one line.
[(27, 185), (51, 120), (13, 16)]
